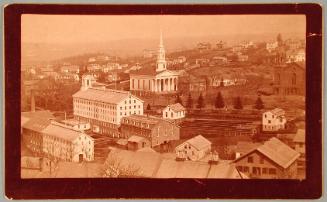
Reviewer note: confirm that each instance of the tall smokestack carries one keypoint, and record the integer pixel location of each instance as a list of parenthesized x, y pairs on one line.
[(32, 101)]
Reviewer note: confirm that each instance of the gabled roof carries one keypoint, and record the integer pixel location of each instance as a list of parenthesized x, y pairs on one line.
[(299, 136), (199, 142), (279, 152), (36, 124), (104, 95), (144, 71), (177, 107), (276, 151), (278, 112), (61, 132)]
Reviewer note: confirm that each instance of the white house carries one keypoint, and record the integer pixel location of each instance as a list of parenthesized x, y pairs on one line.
[(273, 120), (67, 144), (194, 149), (174, 111)]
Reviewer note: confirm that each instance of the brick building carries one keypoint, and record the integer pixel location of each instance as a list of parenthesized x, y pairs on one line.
[(154, 131), (289, 79)]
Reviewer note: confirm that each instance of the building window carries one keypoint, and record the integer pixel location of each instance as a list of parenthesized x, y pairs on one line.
[(256, 171), (261, 160), (272, 171), (250, 159), (134, 101), (264, 170), (269, 121), (166, 114), (245, 169)]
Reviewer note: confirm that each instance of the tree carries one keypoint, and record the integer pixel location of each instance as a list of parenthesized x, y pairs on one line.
[(102, 77), (238, 103), (259, 104), (200, 102), (219, 103), (179, 100), (279, 39), (148, 107), (189, 101), (222, 82), (115, 167)]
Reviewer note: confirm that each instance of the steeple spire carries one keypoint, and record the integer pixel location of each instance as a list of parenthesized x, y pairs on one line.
[(161, 59)]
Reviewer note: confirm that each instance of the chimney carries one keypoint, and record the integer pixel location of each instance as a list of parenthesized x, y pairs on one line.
[(32, 101)]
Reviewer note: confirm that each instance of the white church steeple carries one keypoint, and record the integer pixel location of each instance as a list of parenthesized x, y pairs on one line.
[(161, 59)]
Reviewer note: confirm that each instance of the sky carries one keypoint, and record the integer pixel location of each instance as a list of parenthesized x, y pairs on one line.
[(92, 28)]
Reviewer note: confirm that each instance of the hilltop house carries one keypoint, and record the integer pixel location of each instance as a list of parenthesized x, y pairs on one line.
[(273, 120), (289, 79)]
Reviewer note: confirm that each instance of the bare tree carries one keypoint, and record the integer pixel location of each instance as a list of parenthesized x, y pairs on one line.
[(114, 167)]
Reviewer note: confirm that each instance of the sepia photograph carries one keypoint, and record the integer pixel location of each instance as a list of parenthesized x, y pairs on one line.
[(214, 96), (163, 101)]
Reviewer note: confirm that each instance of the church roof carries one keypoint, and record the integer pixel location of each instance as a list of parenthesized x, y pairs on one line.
[(103, 95), (145, 71)]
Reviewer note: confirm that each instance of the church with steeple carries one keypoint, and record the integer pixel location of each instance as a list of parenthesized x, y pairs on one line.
[(157, 80)]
